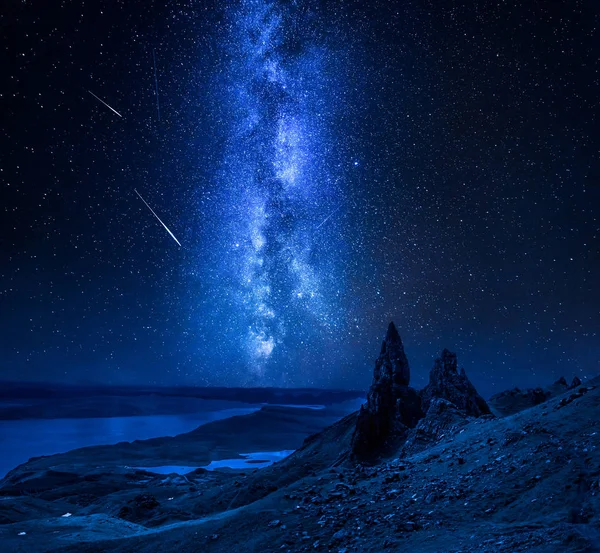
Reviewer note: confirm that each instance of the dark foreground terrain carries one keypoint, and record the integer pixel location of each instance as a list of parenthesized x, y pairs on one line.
[(524, 482)]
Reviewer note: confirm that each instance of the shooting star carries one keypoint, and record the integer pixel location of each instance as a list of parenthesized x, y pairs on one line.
[(101, 100), (330, 215), (166, 228), (155, 82)]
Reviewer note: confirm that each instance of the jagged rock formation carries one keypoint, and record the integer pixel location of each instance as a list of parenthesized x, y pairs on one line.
[(446, 382), (537, 396), (392, 360), (529, 484), (393, 408), (561, 385), (562, 381), (515, 400)]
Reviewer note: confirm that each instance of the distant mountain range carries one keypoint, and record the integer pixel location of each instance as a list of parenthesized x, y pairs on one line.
[(11, 390)]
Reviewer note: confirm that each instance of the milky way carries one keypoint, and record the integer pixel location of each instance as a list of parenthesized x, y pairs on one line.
[(280, 266), (326, 166)]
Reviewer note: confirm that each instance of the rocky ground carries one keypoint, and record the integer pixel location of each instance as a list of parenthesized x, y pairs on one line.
[(525, 482)]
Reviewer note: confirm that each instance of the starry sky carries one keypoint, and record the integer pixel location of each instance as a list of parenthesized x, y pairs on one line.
[(246, 192)]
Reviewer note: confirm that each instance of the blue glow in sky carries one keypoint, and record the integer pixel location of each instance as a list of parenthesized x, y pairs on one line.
[(326, 167), (280, 269)]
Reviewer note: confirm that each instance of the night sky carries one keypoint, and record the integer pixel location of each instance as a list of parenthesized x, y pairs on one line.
[(326, 167)]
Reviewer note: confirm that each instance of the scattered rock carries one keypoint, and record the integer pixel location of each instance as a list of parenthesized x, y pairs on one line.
[(579, 393), (407, 527), (340, 535)]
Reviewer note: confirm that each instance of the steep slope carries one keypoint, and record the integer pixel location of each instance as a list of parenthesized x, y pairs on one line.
[(457, 483), (529, 482)]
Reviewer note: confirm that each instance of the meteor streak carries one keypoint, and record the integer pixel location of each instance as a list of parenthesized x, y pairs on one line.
[(101, 100), (330, 215), (166, 228), (155, 82)]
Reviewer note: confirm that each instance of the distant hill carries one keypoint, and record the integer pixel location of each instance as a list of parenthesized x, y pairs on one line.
[(46, 400), (515, 400)]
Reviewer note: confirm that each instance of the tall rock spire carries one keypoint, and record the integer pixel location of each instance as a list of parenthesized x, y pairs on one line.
[(394, 411), (392, 335), (397, 357), (392, 406), (392, 361)]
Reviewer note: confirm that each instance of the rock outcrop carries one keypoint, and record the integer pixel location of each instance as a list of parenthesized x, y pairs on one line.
[(392, 360), (446, 382), (443, 418), (394, 409), (515, 400), (392, 405)]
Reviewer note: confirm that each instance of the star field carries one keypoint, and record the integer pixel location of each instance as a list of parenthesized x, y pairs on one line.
[(326, 166)]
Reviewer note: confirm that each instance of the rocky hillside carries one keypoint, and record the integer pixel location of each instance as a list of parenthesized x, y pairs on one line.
[(444, 475), (515, 400)]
